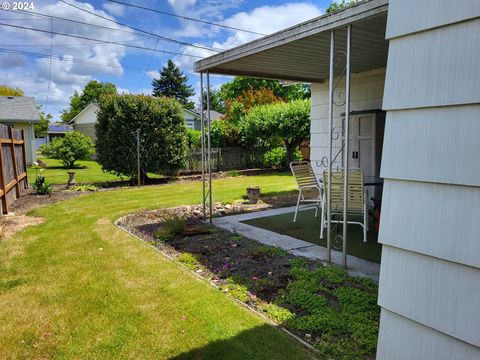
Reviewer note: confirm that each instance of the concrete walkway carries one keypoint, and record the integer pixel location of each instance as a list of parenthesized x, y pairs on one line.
[(356, 266)]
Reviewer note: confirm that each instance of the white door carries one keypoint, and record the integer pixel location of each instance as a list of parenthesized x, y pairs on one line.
[(362, 143)]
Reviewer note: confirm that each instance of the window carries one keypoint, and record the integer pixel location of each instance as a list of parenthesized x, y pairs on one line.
[(190, 124)]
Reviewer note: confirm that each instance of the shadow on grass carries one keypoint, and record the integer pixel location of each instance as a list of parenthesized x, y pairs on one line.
[(262, 342)]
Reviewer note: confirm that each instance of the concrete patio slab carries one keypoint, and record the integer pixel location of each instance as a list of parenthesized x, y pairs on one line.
[(356, 266)]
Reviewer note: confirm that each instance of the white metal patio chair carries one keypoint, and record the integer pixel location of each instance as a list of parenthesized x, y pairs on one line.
[(309, 189), (357, 198)]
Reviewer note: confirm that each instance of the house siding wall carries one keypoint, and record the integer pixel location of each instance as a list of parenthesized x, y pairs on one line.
[(88, 116), (366, 93), (29, 133), (429, 288), (87, 129)]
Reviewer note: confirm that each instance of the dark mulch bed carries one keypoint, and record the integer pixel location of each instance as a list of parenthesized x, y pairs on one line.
[(29, 200), (322, 305)]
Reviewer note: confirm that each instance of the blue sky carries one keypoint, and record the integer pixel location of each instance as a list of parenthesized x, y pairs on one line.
[(76, 61)]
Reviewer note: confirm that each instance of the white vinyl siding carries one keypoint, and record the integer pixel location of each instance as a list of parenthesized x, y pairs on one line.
[(430, 270)]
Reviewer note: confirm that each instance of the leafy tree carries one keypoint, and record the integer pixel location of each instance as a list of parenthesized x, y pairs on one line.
[(224, 134), (237, 109), (235, 88), (289, 122), (93, 91), (9, 91), (41, 128), (172, 83), (70, 148), (163, 139), (337, 6), (216, 101)]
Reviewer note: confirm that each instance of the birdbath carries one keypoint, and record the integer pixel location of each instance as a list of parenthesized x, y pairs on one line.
[(71, 178), (253, 194)]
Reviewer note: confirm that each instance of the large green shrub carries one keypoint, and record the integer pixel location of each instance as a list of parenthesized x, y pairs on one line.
[(276, 157), (287, 122), (163, 139), (70, 148), (194, 139)]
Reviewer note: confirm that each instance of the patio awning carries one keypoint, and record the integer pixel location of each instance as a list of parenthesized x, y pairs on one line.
[(301, 52)]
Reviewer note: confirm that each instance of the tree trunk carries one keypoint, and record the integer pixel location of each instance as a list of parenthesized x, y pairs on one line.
[(290, 147)]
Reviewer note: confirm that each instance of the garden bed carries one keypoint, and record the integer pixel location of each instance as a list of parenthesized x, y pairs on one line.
[(321, 304)]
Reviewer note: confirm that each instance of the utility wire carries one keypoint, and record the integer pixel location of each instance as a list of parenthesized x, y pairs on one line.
[(102, 41), (50, 65), (147, 67), (182, 17), (184, 43), (74, 60)]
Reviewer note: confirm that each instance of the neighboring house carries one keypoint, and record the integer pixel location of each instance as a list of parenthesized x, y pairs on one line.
[(85, 121), (193, 119), (21, 112), (54, 130), (415, 110)]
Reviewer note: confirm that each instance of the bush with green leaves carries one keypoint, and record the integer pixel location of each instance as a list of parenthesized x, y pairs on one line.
[(285, 122), (276, 157), (194, 139), (72, 147), (163, 136), (41, 187)]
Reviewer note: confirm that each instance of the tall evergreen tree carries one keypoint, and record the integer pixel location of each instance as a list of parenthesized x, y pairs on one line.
[(173, 83)]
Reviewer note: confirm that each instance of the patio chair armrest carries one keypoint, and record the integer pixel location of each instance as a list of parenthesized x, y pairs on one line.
[(309, 187)]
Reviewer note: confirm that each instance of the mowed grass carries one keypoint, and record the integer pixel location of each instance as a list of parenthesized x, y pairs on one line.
[(86, 172), (76, 287)]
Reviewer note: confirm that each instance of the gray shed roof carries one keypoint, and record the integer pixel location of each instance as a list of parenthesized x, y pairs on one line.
[(18, 108), (301, 52)]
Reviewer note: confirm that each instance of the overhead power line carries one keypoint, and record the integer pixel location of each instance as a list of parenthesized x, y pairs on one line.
[(162, 37), (74, 60), (99, 40), (183, 17)]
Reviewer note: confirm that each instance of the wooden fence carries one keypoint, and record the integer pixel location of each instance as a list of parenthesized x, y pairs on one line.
[(224, 159), (13, 165)]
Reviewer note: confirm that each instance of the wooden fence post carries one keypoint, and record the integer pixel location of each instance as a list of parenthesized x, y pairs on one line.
[(24, 156), (14, 159), (4, 185)]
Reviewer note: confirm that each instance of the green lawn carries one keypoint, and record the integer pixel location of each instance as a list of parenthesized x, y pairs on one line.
[(87, 172), (77, 287)]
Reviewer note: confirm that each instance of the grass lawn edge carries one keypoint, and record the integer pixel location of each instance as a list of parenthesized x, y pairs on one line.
[(203, 279)]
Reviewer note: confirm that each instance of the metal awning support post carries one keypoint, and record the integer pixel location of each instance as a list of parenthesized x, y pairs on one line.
[(209, 151), (206, 152), (346, 149), (330, 146), (202, 128)]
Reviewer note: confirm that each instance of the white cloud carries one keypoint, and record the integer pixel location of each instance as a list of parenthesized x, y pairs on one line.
[(152, 74), (269, 19), (264, 19), (9, 61), (90, 58), (179, 6), (115, 9)]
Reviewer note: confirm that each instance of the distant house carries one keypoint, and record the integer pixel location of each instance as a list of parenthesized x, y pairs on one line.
[(87, 118), (54, 130), (21, 112), (85, 121), (193, 119)]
